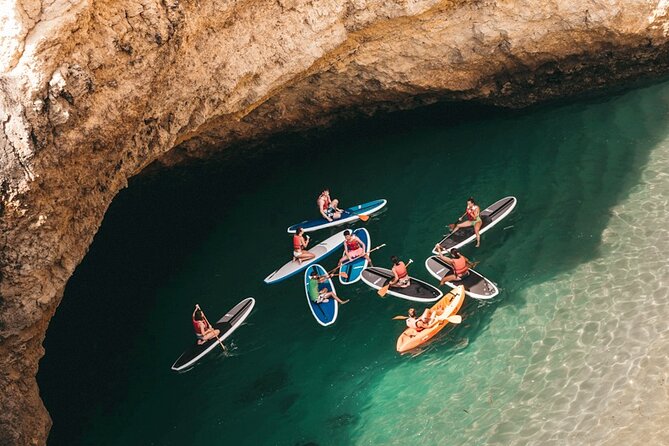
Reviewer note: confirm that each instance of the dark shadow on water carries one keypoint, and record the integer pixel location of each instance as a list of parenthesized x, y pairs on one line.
[(568, 166)]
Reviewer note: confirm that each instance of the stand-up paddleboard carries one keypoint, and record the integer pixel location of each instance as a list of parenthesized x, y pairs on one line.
[(449, 305), (418, 291), (492, 215), (293, 267), (353, 269), (324, 312), (475, 284), (349, 215), (227, 324)]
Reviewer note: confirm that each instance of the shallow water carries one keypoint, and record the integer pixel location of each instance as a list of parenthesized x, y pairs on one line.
[(573, 351)]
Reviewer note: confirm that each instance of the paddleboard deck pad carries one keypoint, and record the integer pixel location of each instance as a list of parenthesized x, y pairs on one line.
[(322, 250), (417, 291), (449, 305), (489, 216), (227, 325), (475, 284), (349, 215), (354, 268), (324, 312)]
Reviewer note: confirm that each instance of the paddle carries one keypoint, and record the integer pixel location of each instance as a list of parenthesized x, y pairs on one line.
[(343, 274), (453, 319), (382, 292), (362, 217), (205, 319)]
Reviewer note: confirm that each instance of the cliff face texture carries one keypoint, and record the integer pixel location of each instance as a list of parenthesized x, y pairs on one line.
[(93, 91)]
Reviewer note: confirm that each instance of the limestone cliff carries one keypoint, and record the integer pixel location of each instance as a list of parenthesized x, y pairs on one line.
[(93, 91)]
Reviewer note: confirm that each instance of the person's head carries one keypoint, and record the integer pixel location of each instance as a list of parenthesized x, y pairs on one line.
[(314, 273), (347, 234), (326, 191), (395, 260), (471, 202), (412, 312), (299, 231), (198, 315), (455, 253)]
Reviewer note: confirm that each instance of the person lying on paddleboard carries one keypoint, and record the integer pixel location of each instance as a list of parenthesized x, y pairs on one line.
[(300, 242), (329, 208), (473, 214), (318, 289), (401, 279), (426, 320), (458, 262), (203, 331), (353, 248)]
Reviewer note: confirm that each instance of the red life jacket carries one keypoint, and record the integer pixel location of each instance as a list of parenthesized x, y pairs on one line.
[(326, 202), (471, 213), (297, 243), (199, 329), (460, 266), (352, 244), (401, 270)]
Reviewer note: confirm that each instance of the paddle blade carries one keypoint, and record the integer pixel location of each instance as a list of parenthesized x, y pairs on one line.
[(363, 217), (382, 292), (343, 275), (455, 319), (400, 318)]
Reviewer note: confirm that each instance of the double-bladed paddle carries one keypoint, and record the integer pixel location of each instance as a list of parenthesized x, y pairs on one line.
[(382, 292), (453, 319)]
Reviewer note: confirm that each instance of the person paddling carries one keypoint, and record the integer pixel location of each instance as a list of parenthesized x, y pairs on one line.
[(353, 248), (473, 214), (203, 331), (426, 320), (318, 289), (458, 262), (300, 242), (328, 208), (401, 275)]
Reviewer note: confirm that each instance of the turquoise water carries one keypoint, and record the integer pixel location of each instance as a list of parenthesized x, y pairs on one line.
[(573, 350)]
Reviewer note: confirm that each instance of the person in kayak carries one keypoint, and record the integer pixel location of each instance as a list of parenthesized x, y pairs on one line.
[(473, 214), (458, 262), (300, 242), (328, 208), (318, 289), (401, 279), (426, 320), (203, 331), (353, 248)]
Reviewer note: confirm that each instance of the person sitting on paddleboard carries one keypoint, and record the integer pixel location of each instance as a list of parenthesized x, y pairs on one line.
[(329, 208), (473, 214), (318, 289), (401, 279), (353, 248), (458, 262), (300, 242), (426, 320), (203, 331)]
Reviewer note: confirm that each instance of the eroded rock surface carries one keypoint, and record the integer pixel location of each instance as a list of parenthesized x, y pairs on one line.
[(91, 92)]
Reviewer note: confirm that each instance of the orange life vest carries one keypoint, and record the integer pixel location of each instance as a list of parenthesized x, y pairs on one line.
[(401, 270), (352, 244), (471, 213), (297, 243), (199, 326), (460, 266), (326, 201)]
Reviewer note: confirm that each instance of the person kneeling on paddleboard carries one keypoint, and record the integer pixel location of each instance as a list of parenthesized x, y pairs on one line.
[(328, 208), (473, 214), (353, 248), (318, 289), (426, 320), (458, 262), (300, 243), (203, 331), (401, 279)]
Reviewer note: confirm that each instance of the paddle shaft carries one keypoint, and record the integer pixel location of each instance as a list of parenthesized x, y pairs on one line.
[(353, 260), (212, 327)]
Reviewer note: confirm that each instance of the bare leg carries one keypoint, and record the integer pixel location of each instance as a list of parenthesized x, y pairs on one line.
[(448, 278), (477, 227)]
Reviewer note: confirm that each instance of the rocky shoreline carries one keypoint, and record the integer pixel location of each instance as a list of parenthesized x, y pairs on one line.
[(90, 94)]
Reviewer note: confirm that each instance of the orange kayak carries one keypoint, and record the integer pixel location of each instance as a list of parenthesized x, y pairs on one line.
[(447, 306)]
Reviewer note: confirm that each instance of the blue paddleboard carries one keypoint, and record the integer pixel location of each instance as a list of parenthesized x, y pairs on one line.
[(326, 312), (349, 215), (353, 269)]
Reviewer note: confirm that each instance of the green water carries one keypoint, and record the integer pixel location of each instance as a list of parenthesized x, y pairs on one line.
[(573, 351)]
